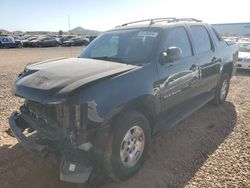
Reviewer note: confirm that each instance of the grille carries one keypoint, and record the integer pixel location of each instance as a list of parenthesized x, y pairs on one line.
[(52, 116)]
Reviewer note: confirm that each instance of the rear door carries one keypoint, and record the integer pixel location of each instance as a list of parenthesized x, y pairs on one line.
[(208, 58), (178, 80)]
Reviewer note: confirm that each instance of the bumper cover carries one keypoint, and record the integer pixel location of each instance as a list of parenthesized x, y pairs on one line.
[(29, 143), (74, 171), (71, 169)]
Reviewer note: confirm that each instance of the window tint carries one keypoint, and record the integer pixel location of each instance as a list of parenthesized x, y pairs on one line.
[(201, 39), (178, 37)]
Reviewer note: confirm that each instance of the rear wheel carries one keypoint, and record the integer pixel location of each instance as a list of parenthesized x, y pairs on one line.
[(222, 89), (128, 145)]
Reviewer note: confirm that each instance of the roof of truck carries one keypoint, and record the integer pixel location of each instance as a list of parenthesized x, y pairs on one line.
[(158, 23)]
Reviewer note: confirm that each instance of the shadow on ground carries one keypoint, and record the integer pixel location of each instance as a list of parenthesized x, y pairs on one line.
[(177, 154), (175, 157)]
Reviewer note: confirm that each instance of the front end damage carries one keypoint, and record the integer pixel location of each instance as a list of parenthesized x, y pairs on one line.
[(60, 129), (61, 114)]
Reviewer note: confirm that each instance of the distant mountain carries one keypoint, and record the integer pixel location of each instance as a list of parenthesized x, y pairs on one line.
[(4, 32), (17, 32), (80, 30)]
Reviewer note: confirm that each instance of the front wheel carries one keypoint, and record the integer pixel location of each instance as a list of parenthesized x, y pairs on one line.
[(222, 89), (128, 145)]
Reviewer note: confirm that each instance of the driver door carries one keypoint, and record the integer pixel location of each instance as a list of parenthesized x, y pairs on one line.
[(178, 79)]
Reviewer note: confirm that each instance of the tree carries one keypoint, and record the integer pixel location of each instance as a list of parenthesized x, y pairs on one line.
[(60, 33)]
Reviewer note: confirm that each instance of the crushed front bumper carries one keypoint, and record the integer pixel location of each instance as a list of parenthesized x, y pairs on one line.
[(29, 143), (73, 168)]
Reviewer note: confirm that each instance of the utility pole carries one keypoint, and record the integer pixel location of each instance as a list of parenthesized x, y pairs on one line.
[(70, 50)]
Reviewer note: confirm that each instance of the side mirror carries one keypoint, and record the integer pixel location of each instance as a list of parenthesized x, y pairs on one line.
[(172, 54)]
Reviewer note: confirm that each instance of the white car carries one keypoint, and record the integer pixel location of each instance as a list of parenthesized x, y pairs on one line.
[(244, 55)]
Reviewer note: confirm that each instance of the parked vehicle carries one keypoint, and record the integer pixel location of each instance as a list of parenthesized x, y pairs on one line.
[(66, 38), (244, 55), (27, 40), (45, 42), (10, 42), (129, 83), (91, 37), (76, 41), (230, 42)]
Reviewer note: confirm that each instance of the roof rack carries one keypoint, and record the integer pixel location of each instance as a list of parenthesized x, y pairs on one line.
[(154, 20)]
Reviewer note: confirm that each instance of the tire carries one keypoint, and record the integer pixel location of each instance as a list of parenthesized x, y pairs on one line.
[(222, 90), (130, 133), (19, 46)]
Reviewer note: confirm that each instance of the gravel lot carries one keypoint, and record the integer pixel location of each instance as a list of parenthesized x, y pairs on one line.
[(209, 149)]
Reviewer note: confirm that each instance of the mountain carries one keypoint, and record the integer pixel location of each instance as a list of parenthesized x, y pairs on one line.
[(80, 30), (4, 32)]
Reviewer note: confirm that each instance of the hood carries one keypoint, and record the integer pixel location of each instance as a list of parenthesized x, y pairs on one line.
[(244, 55), (56, 79)]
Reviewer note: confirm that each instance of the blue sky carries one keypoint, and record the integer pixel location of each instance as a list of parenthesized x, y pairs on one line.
[(105, 14)]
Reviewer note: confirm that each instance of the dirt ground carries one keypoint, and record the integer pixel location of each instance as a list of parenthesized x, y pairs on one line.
[(211, 148)]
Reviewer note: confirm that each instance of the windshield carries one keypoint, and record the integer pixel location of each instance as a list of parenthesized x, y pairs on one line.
[(126, 46), (244, 47)]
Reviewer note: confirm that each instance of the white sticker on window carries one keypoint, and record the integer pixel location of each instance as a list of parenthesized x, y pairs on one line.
[(147, 34)]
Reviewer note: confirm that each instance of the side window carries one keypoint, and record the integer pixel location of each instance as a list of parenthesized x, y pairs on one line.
[(201, 39), (216, 35), (178, 37)]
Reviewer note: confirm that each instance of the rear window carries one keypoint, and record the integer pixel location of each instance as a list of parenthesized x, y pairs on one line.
[(201, 39)]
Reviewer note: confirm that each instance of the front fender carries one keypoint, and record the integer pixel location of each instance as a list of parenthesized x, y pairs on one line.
[(107, 98)]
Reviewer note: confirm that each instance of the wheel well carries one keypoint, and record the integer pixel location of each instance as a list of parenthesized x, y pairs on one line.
[(228, 68), (143, 107)]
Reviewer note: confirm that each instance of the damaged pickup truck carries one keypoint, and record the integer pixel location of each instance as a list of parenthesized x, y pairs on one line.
[(130, 82)]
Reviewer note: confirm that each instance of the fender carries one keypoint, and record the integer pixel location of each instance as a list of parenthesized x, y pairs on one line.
[(108, 98)]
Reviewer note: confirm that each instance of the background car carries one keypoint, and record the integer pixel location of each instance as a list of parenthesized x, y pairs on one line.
[(26, 40), (244, 55), (76, 41), (66, 38), (45, 42), (10, 42), (230, 42), (91, 37)]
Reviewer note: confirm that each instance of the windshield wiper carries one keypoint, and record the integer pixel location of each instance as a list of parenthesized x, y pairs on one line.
[(106, 58)]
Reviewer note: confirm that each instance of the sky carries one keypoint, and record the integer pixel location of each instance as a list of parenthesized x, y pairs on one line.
[(52, 15)]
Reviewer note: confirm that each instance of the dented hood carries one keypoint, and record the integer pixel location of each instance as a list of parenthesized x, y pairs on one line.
[(46, 81)]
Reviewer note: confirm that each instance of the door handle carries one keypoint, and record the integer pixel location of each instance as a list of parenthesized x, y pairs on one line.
[(193, 67), (215, 60)]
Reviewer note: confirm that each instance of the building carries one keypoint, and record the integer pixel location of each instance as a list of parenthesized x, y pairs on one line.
[(233, 29)]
